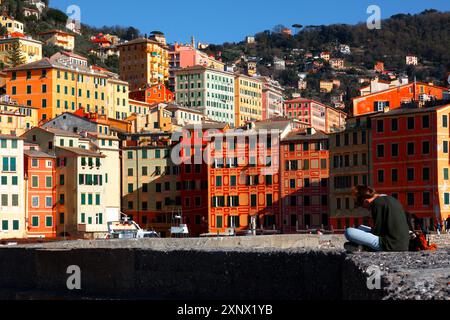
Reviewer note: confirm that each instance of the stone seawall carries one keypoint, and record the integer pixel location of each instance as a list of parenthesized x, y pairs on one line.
[(268, 268)]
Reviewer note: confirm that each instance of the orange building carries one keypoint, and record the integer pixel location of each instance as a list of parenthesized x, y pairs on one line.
[(244, 191), (40, 177), (393, 98), (305, 173), (153, 94), (144, 61), (410, 156), (194, 175), (65, 83)]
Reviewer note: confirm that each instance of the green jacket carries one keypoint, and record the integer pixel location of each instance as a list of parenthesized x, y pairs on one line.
[(390, 224)]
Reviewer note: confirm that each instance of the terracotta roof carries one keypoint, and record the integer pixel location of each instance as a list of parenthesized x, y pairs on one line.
[(82, 152), (302, 135), (58, 132), (409, 110), (41, 64), (57, 31), (8, 136), (37, 154)]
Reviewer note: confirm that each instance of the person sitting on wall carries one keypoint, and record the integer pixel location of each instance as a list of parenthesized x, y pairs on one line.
[(390, 231)]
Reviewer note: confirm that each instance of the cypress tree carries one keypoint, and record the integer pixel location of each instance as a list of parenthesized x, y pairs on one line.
[(14, 55)]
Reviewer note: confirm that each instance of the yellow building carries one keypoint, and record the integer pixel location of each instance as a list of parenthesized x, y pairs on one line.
[(16, 119), (144, 61), (65, 83), (59, 38), (326, 86), (11, 24), (248, 99), (31, 49)]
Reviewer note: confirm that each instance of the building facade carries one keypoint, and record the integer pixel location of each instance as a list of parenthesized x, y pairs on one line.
[(150, 182), (144, 62), (305, 173), (319, 116), (12, 195), (394, 97), (30, 49), (154, 94), (65, 83), (350, 165), (208, 90), (248, 99), (59, 38), (272, 99), (40, 181), (410, 155)]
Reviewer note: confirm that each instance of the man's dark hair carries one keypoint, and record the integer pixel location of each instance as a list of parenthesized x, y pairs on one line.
[(362, 193)]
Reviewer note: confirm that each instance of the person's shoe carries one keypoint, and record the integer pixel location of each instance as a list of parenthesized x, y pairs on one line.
[(353, 248)]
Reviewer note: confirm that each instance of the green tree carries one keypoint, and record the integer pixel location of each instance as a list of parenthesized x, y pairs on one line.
[(14, 55)]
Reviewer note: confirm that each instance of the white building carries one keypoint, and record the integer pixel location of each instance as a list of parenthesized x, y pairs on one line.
[(279, 64), (412, 60), (12, 195)]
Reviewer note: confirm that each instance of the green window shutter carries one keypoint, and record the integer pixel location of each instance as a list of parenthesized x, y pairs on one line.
[(5, 226), (83, 198), (35, 221), (49, 221), (16, 225)]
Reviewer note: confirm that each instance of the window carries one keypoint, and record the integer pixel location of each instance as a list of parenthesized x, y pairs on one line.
[(394, 150), (218, 181), (253, 200), (380, 150), (394, 175), (269, 200), (446, 174), (48, 182), (410, 148), (426, 174), (410, 174), (394, 125), (425, 147), (233, 181), (425, 122), (410, 199), (426, 199), (35, 202), (380, 126), (445, 121), (445, 147), (35, 182), (447, 198), (48, 202), (380, 176), (410, 123), (35, 221)]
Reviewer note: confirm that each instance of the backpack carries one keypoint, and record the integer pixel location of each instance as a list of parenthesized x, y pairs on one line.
[(420, 243)]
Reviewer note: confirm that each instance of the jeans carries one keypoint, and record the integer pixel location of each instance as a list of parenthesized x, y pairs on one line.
[(363, 236)]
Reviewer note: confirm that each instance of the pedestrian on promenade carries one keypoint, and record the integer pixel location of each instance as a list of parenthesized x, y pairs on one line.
[(390, 231)]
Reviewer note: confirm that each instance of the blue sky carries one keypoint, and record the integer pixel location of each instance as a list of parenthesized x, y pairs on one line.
[(217, 21)]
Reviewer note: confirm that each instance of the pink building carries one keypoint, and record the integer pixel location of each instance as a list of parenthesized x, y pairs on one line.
[(184, 56), (318, 115)]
